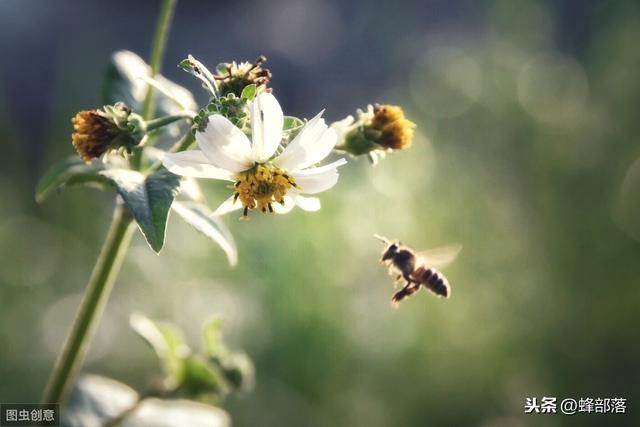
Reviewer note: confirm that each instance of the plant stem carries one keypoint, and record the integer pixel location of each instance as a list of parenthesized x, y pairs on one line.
[(157, 52), (113, 251), (155, 62), (166, 120), (92, 306)]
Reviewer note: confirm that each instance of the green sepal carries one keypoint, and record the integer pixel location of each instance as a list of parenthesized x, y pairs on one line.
[(168, 343), (249, 92)]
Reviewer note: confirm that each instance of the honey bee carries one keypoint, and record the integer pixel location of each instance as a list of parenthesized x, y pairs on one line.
[(418, 268)]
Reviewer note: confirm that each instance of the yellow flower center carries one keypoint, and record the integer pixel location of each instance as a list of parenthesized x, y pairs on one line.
[(261, 186)]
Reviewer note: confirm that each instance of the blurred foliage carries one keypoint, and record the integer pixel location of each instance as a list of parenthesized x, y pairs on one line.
[(209, 375), (101, 402), (526, 153)]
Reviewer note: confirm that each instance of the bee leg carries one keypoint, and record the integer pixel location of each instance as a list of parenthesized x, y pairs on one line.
[(409, 289), (399, 296)]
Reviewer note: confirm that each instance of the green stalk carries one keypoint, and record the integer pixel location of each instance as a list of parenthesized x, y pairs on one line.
[(166, 120), (157, 52), (110, 259), (155, 62), (92, 306)]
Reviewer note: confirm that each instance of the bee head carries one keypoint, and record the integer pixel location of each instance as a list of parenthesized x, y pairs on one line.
[(390, 252)]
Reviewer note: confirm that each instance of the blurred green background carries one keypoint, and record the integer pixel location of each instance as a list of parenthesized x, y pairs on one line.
[(526, 153)]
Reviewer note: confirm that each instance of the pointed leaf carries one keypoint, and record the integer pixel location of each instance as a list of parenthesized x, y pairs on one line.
[(197, 69), (70, 171), (291, 127), (212, 344), (200, 217), (249, 92), (126, 81), (148, 198), (202, 379), (292, 123), (168, 343)]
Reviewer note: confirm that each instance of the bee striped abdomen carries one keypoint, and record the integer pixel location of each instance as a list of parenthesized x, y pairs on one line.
[(433, 280)]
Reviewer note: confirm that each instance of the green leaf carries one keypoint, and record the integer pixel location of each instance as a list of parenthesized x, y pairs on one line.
[(148, 198), (292, 123), (212, 344), (239, 372), (202, 379), (126, 81), (236, 368), (186, 65), (197, 69), (249, 92), (118, 85), (70, 171), (292, 126), (168, 343), (200, 217)]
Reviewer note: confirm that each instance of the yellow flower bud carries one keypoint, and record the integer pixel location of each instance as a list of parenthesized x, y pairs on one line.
[(396, 132), (379, 129)]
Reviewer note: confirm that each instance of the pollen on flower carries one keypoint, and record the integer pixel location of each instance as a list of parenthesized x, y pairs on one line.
[(92, 134), (262, 186), (396, 132)]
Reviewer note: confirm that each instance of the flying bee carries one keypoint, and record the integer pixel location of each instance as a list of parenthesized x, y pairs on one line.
[(418, 268)]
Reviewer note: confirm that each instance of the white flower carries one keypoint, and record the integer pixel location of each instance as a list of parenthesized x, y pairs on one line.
[(261, 180)]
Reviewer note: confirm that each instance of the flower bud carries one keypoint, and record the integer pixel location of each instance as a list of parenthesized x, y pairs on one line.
[(98, 131), (379, 129), (230, 106), (396, 132), (233, 77)]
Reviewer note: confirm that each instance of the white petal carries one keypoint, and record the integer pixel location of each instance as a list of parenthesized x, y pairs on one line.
[(294, 154), (312, 184), (320, 148), (267, 121), (314, 142), (286, 208), (321, 169), (195, 164), (309, 204), (227, 206), (225, 145)]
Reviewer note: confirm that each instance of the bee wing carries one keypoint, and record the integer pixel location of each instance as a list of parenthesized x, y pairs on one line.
[(382, 239), (441, 256)]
